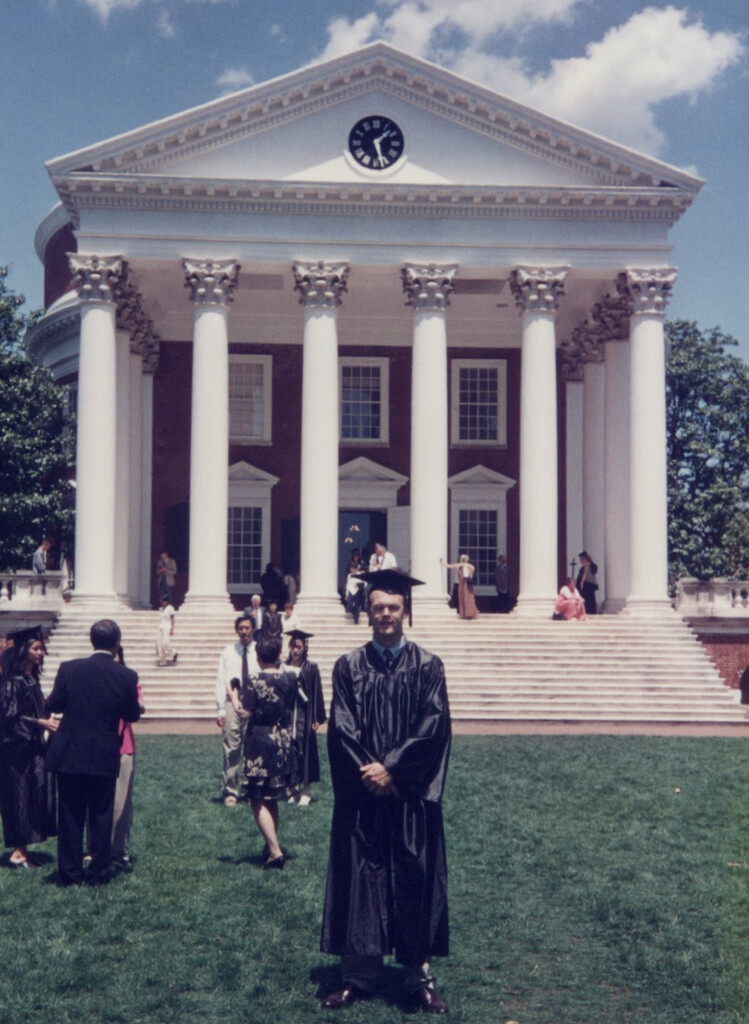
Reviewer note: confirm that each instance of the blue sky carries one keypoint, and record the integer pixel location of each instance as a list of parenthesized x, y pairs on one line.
[(669, 79)]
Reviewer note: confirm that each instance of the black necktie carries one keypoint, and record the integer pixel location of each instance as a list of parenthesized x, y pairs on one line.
[(245, 668), (388, 657)]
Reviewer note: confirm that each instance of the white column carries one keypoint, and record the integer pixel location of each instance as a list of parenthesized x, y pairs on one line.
[(593, 462), (537, 292), (96, 279), (616, 478), (212, 285), (122, 468), (135, 494), (146, 560), (428, 291), (321, 286), (648, 292), (574, 463)]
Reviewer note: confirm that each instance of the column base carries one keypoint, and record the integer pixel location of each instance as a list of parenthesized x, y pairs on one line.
[(206, 602), (613, 605), (649, 607), (320, 608), (95, 599), (534, 606)]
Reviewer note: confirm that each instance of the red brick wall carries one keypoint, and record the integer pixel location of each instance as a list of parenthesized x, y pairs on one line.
[(56, 268), (730, 653)]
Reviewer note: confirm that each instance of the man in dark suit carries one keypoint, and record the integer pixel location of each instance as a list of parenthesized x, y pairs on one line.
[(93, 694)]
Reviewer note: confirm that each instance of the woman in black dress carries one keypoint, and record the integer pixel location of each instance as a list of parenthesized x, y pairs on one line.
[(266, 699), (309, 715), (27, 793), (586, 582)]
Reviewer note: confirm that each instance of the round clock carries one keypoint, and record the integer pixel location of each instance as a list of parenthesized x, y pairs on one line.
[(376, 143)]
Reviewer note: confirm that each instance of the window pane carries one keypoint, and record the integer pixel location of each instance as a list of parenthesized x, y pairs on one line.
[(477, 537), (479, 403), (360, 403), (244, 553), (246, 400)]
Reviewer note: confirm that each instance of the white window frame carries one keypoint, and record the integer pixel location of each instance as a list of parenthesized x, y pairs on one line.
[(479, 488), (250, 487), (267, 364), (384, 366), (501, 367)]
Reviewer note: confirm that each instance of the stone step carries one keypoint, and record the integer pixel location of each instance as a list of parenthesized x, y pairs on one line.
[(610, 668)]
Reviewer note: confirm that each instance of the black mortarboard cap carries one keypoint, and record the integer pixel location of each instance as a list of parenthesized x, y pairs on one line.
[(393, 581), (19, 638), (298, 634)]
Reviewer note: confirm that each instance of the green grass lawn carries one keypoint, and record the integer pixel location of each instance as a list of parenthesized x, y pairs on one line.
[(593, 880)]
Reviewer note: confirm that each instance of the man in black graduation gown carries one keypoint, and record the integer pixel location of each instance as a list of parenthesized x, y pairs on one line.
[(388, 743)]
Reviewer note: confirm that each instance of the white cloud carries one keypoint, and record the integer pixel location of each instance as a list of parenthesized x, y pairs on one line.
[(105, 7), (234, 79), (165, 25), (614, 89), (345, 36), (658, 55)]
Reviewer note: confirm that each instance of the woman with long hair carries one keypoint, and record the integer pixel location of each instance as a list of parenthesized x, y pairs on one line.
[(309, 715), (570, 603), (27, 791), (466, 598)]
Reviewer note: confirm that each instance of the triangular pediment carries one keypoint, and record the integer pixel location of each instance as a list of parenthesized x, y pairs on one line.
[(480, 476), (364, 471), (242, 474), (295, 130)]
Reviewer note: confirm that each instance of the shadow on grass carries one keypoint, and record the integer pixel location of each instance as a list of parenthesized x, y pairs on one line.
[(389, 989)]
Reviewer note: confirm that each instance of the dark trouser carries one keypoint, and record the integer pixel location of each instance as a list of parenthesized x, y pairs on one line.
[(78, 796)]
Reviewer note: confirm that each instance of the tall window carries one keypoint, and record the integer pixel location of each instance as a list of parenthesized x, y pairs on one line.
[(250, 398), (477, 537), (364, 400), (479, 402), (245, 546)]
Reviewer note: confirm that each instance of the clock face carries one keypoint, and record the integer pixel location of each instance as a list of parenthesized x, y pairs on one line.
[(376, 143)]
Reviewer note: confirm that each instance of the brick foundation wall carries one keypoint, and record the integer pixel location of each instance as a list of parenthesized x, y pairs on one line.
[(728, 651)]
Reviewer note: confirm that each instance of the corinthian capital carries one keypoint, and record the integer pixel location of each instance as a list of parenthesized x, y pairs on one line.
[(97, 278), (611, 316), (647, 291), (211, 282), (537, 289), (320, 284), (428, 286)]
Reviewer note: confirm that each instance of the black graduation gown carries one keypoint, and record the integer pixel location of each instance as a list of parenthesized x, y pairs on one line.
[(387, 873), (27, 791), (309, 708)]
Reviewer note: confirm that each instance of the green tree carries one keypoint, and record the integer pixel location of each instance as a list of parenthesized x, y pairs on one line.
[(707, 416), (35, 496)]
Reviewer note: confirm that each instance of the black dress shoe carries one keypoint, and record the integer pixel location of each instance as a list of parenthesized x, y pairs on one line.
[(275, 862), (427, 1000), (341, 999), (14, 865)]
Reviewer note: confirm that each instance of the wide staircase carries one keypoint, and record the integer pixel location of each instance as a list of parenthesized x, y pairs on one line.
[(499, 667)]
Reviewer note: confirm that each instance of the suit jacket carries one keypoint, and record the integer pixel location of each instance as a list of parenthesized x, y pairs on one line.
[(93, 694)]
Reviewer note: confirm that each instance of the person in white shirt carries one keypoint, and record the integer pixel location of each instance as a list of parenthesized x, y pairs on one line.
[(238, 661), (387, 559), (165, 653)]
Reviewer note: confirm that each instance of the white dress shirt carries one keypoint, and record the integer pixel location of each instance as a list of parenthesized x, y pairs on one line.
[(230, 667)]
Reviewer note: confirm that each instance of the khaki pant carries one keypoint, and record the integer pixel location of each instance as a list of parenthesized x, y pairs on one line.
[(233, 744)]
